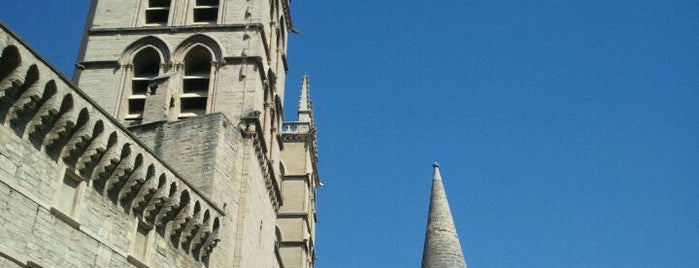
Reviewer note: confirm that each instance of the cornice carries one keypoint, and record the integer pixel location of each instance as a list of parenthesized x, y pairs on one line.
[(175, 29), (251, 128)]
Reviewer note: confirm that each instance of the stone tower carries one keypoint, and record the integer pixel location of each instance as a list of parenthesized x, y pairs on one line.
[(442, 247), (154, 63), (169, 149), (152, 60), (297, 217)]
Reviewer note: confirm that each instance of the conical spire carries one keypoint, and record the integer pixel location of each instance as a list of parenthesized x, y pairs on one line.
[(305, 103), (442, 247)]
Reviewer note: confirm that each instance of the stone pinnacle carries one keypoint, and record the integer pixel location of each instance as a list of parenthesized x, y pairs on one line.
[(305, 108), (442, 247)]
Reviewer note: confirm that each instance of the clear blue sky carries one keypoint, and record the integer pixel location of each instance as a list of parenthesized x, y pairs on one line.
[(567, 131)]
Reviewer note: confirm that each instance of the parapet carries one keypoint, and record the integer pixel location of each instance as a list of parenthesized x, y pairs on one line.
[(42, 108)]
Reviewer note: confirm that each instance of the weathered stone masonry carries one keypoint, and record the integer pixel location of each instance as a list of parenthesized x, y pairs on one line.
[(206, 160), (52, 134)]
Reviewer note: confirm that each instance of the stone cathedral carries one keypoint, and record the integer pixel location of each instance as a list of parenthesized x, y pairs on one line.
[(169, 147)]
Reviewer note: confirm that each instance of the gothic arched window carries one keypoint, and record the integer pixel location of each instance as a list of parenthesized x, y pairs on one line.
[(195, 84), (146, 66)]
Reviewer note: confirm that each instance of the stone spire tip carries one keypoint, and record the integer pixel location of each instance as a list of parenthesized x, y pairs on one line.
[(305, 108), (442, 247)]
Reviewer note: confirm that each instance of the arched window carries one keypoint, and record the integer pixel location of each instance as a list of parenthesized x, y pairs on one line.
[(195, 84), (146, 66)]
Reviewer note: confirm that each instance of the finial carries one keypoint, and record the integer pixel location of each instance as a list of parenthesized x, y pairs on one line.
[(435, 164)]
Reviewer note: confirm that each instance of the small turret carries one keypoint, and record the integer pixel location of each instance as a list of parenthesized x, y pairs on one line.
[(442, 247), (300, 181)]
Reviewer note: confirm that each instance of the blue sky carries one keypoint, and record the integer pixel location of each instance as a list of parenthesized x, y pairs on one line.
[(567, 131)]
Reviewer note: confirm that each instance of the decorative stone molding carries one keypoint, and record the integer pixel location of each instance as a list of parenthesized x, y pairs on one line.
[(198, 40), (301, 132), (149, 41), (177, 65), (252, 129)]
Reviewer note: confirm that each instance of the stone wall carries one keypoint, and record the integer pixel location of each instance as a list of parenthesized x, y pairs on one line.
[(191, 147), (77, 189)]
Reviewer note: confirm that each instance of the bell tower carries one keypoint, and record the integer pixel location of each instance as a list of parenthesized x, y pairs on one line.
[(164, 60), (201, 83)]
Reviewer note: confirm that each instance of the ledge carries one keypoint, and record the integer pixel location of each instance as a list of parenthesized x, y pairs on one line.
[(13, 257), (295, 244), (31, 264), (97, 64), (171, 29), (294, 214), (133, 260), (65, 218)]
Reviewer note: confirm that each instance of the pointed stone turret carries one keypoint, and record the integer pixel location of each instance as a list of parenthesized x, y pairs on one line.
[(305, 103), (442, 247), (300, 181)]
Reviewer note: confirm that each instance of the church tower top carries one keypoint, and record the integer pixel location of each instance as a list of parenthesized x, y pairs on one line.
[(442, 247), (148, 61)]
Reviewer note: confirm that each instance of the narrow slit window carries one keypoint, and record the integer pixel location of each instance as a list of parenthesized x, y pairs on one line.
[(206, 11), (157, 12), (195, 85), (146, 66)]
